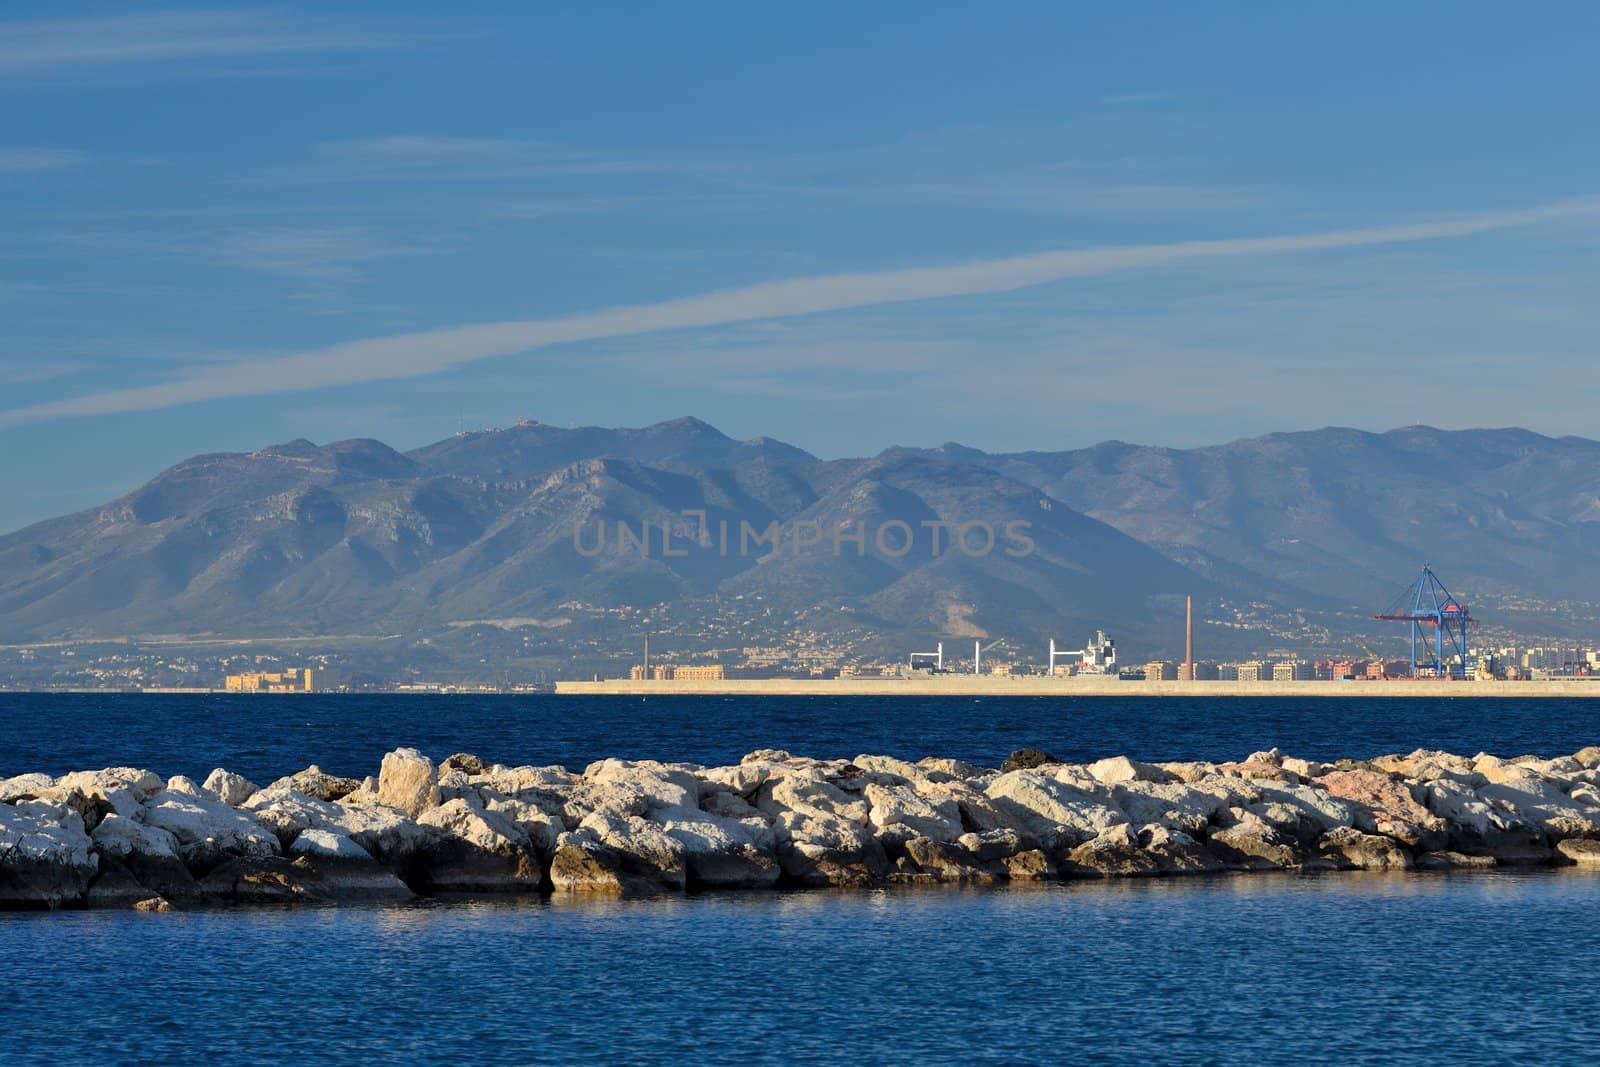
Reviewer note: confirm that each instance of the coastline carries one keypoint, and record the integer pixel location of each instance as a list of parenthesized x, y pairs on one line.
[(981, 685)]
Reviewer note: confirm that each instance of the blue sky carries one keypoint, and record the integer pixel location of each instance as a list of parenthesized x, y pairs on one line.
[(1042, 227)]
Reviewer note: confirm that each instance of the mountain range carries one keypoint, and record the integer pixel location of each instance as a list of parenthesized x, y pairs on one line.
[(1277, 537)]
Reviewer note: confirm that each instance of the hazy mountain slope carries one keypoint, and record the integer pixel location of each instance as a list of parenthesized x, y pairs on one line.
[(1349, 516), (355, 537), (532, 448)]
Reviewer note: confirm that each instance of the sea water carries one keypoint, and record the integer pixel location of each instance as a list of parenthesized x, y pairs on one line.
[(1346, 968), (263, 737), (1349, 968)]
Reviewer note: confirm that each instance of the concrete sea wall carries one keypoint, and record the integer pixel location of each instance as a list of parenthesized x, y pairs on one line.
[(1079, 685)]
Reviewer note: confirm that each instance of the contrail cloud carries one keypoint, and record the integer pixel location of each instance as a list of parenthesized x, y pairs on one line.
[(414, 355)]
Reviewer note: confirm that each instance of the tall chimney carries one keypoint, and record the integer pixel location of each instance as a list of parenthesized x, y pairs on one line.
[(647, 657), (1188, 638)]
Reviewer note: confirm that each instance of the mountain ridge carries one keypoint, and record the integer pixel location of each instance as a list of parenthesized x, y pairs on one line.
[(1320, 524)]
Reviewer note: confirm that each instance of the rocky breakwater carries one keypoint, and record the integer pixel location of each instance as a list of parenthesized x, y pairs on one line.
[(124, 837)]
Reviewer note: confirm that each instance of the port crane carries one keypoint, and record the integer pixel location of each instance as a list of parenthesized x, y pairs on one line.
[(978, 649), (1426, 603)]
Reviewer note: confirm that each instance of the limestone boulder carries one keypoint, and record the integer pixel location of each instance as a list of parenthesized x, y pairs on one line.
[(1588, 758), (1186, 807), (940, 768), (232, 789), (1543, 804), (325, 844), (1248, 842), (1318, 809), (409, 781), (1305, 770), (141, 785), (1189, 770), (650, 857), (1580, 851), (813, 796), (723, 853), (476, 851), (1114, 851), (209, 831), (582, 865), (1385, 806), (1177, 852), (24, 787), (1476, 826), (1055, 814), (318, 784), (897, 768), (388, 834), (303, 879), (465, 762), (945, 862), (1119, 769), (148, 854), (815, 848), (43, 863), (938, 818), (1369, 852), (1453, 861), (540, 825), (118, 789)]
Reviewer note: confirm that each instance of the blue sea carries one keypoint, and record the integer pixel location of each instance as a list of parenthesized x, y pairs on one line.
[(264, 737), (1341, 968)]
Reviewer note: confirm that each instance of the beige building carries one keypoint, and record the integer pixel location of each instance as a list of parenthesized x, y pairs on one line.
[(708, 672), (1293, 671), (304, 680)]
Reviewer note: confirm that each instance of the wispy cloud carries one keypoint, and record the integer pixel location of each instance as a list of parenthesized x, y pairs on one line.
[(48, 46), (322, 254), (418, 354), (319, 255), (14, 160)]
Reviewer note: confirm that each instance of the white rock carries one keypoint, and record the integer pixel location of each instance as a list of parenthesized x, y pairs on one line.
[(232, 789), (477, 850), (142, 784), (1051, 810), (179, 783), (41, 861), (409, 781), (1321, 810), (811, 796), (1170, 804), (24, 785), (931, 817), (325, 844), (1119, 769), (124, 838), (204, 827), (911, 772)]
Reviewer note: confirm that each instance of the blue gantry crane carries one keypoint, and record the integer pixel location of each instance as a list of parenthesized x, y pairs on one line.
[(1427, 603)]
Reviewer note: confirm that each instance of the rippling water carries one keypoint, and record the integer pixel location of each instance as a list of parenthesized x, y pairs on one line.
[(264, 737), (1345, 968)]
